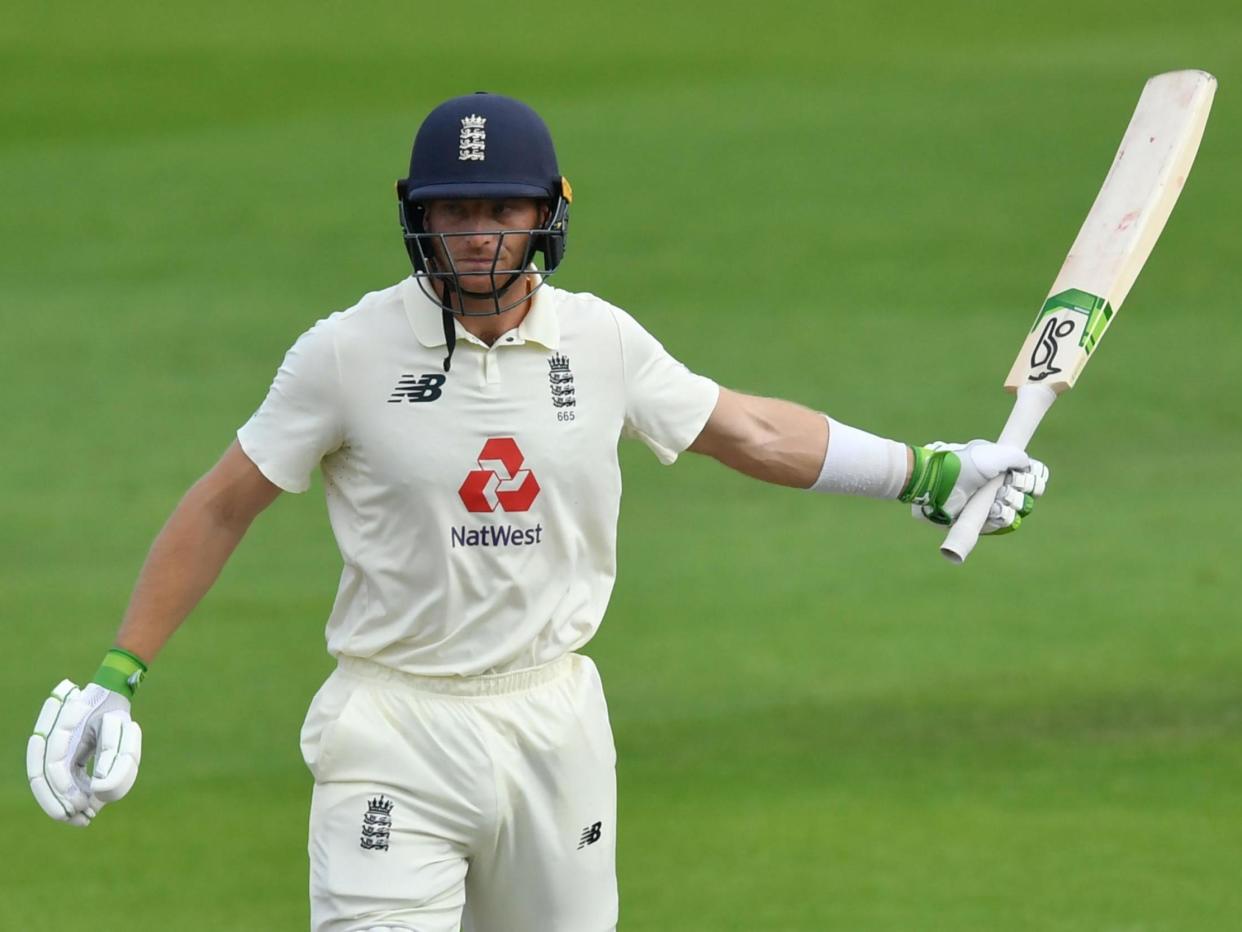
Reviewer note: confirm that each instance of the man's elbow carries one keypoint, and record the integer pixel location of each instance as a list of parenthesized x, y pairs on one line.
[(232, 493), (739, 435)]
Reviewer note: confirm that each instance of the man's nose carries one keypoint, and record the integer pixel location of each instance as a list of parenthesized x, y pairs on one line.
[(481, 238)]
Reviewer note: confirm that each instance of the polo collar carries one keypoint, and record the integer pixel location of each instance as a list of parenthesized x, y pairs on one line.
[(540, 325)]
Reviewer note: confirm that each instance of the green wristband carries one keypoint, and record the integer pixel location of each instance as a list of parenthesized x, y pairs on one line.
[(121, 672), (931, 480), (918, 476)]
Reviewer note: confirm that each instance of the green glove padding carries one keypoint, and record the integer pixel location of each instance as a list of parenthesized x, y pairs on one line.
[(932, 479), (121, 672)]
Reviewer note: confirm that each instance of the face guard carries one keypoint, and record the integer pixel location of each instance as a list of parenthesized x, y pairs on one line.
[(441, 280), (482, 146)]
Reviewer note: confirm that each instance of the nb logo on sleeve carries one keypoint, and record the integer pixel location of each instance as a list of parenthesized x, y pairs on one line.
[(417, 388)]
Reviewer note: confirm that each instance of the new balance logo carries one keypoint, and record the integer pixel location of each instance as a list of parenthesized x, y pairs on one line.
[(417, 388), (376, 824), (591, 834)]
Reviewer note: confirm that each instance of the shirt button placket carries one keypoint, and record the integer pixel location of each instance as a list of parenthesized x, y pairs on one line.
[(491, 367)]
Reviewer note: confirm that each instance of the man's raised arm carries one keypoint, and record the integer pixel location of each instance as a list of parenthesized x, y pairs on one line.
[(786, 444)]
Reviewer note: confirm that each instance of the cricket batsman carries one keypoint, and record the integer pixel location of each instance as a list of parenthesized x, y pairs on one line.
[(466, 423)]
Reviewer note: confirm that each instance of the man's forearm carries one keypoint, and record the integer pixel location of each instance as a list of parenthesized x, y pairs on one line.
[(769, 439), (765, 438), (184, 561)]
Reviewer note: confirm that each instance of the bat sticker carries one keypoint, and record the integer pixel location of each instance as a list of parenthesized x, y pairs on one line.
[(1046, 349)]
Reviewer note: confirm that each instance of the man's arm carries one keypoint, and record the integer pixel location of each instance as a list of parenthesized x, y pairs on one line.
[(787, 444), (767, 438), (191, 549), (86, 748)]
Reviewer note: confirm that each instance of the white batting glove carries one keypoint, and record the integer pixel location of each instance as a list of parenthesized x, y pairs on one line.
[(947, 475), (84, 752)]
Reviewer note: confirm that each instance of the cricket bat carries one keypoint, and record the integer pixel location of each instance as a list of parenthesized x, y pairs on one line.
[(1138, 195)]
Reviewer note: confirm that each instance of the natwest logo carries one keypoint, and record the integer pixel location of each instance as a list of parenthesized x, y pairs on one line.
[(500, 481)]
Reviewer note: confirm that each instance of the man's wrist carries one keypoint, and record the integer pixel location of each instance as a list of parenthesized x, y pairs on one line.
[(859, 463), (121, 672), (916, 484)]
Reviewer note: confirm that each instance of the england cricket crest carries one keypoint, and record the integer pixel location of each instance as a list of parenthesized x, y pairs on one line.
[(473, 145), (376, 824), (561, 381)]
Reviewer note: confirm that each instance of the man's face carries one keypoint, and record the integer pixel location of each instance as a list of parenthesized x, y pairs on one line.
[(487, 223)]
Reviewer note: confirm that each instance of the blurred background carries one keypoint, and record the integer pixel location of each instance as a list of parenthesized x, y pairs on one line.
[(821, 724)]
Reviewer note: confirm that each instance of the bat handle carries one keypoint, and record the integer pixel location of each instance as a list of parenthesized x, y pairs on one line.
[(1034, 400)]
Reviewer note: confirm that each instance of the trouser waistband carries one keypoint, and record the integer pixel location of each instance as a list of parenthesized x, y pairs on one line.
[(489, 684)]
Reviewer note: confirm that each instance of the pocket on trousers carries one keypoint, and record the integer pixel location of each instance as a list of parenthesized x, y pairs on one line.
[(323, 720), (591, 710)]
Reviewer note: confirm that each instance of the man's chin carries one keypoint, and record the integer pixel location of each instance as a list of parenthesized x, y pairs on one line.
[(483, 282)]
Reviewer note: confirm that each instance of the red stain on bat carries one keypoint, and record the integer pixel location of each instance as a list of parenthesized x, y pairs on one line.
[(1128, 219)]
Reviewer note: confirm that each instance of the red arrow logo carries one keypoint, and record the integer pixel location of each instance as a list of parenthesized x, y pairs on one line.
[(500, 481)]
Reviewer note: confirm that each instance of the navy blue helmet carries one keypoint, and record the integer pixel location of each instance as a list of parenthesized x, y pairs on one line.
[(482, 146)]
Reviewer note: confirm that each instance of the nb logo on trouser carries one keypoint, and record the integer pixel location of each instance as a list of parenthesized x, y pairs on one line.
[(591, 834)]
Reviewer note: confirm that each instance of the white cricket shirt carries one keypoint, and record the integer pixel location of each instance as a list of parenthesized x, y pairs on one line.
[(475, 511)]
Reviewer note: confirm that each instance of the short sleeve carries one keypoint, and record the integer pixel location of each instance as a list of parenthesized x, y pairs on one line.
[(666, 405), (300, 421)]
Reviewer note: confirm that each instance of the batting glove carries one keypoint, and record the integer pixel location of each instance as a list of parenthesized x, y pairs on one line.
[(85, 748), (946, 475)]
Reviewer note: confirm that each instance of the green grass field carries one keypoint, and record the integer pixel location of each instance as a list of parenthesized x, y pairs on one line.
[(821, 724)]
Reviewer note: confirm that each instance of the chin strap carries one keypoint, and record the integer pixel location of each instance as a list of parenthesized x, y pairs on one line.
[(450, 332)]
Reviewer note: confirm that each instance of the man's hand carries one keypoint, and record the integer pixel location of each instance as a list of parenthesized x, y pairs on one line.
[(84, 752), (946, 475)]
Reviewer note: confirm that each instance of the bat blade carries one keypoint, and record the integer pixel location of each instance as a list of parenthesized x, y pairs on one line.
[(1138, 195)]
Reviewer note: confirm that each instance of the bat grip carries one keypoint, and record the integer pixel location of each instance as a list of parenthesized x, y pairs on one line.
[(1033, 402)]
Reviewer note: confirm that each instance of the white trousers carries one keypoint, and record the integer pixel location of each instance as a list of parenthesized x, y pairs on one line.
[(481, 803)]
